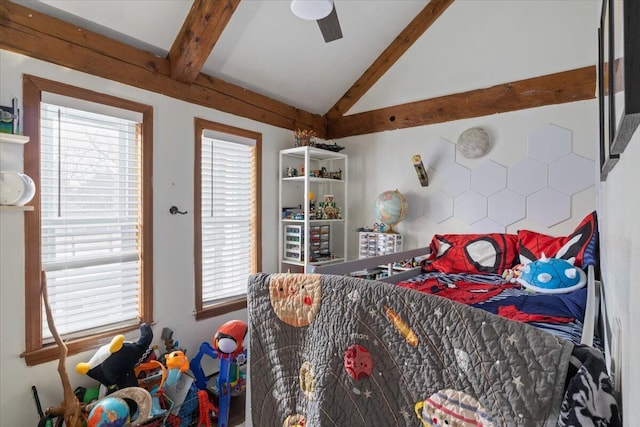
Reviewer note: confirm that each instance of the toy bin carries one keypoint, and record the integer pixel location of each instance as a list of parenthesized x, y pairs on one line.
[(193, 412), (294, 242)]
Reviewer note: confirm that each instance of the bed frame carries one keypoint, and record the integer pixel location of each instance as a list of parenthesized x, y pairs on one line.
[(594, 311)]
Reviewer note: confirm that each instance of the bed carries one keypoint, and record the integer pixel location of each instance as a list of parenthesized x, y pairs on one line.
[(434, 346)]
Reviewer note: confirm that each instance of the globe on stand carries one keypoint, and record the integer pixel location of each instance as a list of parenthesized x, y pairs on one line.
[(391, 208)]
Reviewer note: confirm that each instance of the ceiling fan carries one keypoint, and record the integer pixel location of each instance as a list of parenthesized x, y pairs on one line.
[(321, 11)]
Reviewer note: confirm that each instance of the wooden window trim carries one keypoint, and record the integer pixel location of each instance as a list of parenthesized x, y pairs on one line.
[(233, 304), (35, 352)]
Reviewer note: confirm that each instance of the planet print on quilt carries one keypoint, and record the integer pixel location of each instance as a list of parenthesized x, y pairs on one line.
[(295, 298), (452, 408)]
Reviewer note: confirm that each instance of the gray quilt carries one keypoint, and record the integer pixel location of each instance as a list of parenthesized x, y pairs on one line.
[(341, 351)]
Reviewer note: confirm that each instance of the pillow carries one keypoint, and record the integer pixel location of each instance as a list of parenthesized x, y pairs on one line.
[(472, 253), (552, 276), (582, 244)]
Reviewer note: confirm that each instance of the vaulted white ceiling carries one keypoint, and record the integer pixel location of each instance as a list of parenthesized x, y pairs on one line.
[(265, 48)]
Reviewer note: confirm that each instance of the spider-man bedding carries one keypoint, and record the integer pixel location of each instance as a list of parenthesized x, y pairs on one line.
[(561, 314), (468, 268)]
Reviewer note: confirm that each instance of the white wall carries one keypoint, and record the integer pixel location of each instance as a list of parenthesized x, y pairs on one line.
[(173, 154), (619, 208), (382, 161)]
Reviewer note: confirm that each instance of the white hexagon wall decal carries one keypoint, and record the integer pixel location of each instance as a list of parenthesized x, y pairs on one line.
[(506, 207), (470, 206), (548, 207), (439, 154), (438, 207), (488, 178), (549, 143), (416, 207), (486, 225), (454, 180), (527, 176), (571, 174), (432, 177)]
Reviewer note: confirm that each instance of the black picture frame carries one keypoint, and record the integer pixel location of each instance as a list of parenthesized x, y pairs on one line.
[(624, 36), (605, 85)]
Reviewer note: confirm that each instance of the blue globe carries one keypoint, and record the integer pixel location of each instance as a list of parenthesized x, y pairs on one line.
[(109, 412), (391, 208)]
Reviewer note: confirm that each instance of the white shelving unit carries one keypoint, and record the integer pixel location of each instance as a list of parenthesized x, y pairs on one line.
[(309, 237)]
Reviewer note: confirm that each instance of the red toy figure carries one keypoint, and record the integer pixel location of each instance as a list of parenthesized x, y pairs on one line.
[(228, 346), (228, 340)]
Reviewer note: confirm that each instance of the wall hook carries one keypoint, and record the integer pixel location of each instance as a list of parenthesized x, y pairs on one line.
[(174, 210)]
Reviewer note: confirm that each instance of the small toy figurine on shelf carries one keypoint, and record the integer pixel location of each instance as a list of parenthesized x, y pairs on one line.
[(304, 137), (291, 172)]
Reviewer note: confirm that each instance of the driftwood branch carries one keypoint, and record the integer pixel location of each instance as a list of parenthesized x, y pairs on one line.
[(70, 407)]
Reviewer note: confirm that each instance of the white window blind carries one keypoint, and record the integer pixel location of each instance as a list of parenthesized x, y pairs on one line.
[(90, 219), (228, 218)]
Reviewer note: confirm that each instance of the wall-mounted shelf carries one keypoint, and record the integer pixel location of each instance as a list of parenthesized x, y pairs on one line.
[(15, 208), (16, 139)]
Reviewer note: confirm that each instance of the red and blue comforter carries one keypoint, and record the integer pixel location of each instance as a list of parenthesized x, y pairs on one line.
[(559, 314)]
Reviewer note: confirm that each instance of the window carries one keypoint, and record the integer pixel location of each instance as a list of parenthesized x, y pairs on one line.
[(227, 218), (90, 157)]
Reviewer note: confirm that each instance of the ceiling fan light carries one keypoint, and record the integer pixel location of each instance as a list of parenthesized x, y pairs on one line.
[(311, 9)]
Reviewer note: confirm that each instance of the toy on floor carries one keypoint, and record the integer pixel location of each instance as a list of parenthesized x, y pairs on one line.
[(113, 364), (151, 376), (170, 344), (45, 419), (228, 346), (177, 363), (124, 407), (205, 407)]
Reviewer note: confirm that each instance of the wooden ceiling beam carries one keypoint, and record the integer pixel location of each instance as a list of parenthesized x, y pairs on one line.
[(391, 54), (28, 32), (200, 32), (40, 36), (568, 86)]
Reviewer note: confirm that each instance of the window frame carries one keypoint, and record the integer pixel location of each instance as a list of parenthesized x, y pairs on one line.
[(36, 351), (236, 303)]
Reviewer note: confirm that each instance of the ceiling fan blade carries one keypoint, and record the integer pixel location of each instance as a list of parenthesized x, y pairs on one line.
[(330, 26)]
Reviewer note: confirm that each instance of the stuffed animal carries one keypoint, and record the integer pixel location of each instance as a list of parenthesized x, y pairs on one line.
[(552, 276), (113, 364), (512, 274)]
